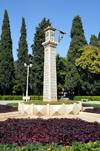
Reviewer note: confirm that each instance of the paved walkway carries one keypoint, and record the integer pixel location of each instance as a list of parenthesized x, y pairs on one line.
[(92, 102), (5, 116), (6, 102)]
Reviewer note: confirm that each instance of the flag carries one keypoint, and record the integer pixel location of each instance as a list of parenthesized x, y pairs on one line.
[(61, 35)]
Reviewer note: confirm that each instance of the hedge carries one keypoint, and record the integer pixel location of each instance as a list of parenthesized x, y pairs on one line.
[(19, 97), (90, 98), (11, 97), (36, 97)]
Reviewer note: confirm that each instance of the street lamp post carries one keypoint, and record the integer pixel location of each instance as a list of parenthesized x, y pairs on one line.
[(30, 65)]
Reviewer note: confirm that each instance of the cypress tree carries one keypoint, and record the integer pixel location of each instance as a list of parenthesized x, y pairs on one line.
[(99, 40), (61, 72), (77, 39), (73, 80), (99, 36), (6, 57), (94, 82), (38, 57), (94, 40), (22, 57)]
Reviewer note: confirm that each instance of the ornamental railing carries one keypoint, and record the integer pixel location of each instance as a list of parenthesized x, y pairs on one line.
[(50, 110)]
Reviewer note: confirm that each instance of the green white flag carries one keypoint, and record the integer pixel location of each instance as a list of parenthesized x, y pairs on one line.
[(61, 35)]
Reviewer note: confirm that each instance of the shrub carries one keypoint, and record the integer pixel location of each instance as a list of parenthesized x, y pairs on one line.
[(90, 98), (59, 131), (36, 97), (6, 108), (76, 146), (0, 97), (91, 105), (32, 147), (94, 110), (12, 97), (19, 97)]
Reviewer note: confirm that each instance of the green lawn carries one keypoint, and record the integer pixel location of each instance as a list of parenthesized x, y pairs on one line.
[(40, 102), (93, 105), (13, 104)]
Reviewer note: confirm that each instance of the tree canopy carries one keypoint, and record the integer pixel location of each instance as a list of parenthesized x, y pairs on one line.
[(89, 63), (89, 59)]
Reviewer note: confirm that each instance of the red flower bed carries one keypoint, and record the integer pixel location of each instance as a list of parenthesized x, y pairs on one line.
[(61, 131), (6, 108), (94, 110)]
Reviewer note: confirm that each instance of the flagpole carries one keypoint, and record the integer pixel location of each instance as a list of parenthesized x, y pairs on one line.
[(56, 29), (60, 30)]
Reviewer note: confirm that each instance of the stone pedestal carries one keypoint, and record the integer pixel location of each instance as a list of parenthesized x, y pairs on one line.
[(50, 77)]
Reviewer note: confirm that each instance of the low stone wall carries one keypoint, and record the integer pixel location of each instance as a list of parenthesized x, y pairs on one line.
[(90, 114), (50, 110), (84, 108)]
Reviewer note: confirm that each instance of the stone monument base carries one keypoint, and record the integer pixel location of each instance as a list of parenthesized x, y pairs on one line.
[(50, 110)]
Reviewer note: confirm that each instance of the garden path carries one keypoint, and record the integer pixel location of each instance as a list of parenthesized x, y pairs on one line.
[(6, 102), (5, 116)]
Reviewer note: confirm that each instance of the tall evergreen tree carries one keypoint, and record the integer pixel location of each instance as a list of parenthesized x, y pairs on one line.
[(99, 40), (38, 57), (72, 79), (94, 40), (22, 57), (92, 87), (6, 57), (61, 72), (99, 36)]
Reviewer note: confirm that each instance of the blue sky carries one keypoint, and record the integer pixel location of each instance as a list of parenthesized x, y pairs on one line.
[(60, 13)]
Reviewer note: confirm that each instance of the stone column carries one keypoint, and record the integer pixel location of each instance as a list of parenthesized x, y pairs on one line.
[(50, 77)]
